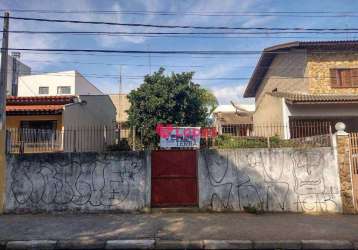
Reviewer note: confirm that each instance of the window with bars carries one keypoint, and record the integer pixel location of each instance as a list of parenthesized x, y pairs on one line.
[(344, 78)]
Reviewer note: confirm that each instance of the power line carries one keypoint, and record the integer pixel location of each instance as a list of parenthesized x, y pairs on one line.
[(310, 14), (174, 52), (175, 33), (121, 55), (88, 74), (182, 34), (183, 52), (146, 65), (118, 64), (179, 26)]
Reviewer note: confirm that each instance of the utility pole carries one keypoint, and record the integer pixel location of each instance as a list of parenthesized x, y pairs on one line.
[(119, 124), (120, 79), (3, 84)]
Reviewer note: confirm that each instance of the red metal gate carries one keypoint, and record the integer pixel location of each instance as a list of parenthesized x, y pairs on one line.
[(174, 178)]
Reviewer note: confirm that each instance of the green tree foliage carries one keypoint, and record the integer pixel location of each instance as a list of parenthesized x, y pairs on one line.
[(173, 99)]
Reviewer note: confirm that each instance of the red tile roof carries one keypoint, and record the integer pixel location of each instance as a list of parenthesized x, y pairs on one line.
[(40, 99), (29, 105)]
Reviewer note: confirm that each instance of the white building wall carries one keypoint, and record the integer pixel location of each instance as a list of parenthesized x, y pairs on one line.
[(29, 85)]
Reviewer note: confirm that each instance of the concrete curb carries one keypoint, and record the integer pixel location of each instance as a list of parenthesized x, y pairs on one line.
[(281, 244), (228, 244), (129, 244), (176, 244), (80, 244), (327, 244), (31, 244)]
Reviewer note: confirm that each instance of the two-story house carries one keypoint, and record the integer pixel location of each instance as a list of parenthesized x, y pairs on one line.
[(304, 88)]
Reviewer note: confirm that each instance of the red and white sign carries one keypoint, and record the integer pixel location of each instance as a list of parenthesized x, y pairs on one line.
[(178, 137)]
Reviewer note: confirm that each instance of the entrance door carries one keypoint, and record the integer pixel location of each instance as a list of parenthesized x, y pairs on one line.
[(174, 178)]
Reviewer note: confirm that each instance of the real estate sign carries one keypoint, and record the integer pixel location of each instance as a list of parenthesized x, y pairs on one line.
[(179, 137)]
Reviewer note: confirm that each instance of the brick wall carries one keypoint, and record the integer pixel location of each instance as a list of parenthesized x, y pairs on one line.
[(345, 173), (318, 65)]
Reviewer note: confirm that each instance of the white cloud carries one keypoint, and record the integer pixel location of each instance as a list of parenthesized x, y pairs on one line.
[(216, 71), (230, 93)]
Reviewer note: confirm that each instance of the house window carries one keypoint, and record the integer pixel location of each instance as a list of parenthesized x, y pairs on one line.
[(63, 90), (43, 90), (38, 131), (344, 78)]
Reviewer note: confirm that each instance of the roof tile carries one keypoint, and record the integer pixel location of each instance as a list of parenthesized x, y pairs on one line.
[(313, 98)]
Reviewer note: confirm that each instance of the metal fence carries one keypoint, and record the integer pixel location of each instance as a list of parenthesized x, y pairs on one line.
[(72, 139), (103, 138), (295, 129)]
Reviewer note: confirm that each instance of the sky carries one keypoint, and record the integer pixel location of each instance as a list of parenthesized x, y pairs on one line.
[(233, 71)]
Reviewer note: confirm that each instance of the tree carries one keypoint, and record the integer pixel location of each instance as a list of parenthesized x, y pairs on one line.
[(210, 101), (173, 99)]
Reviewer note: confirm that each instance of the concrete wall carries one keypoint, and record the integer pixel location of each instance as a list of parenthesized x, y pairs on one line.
[(280, 180), (81, 182), (274, 179), (94, 119), (96, 110)]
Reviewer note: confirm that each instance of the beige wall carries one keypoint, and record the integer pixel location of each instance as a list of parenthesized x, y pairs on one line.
[(286, 74), (122, 104), (14, 121), (318, 66), (268, 117)]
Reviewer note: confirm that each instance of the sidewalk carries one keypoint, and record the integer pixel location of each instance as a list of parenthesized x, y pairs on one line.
[(178, 227)]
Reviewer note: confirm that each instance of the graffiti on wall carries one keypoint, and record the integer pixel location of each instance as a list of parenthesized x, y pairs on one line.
[(76, 182), (272, 180)]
